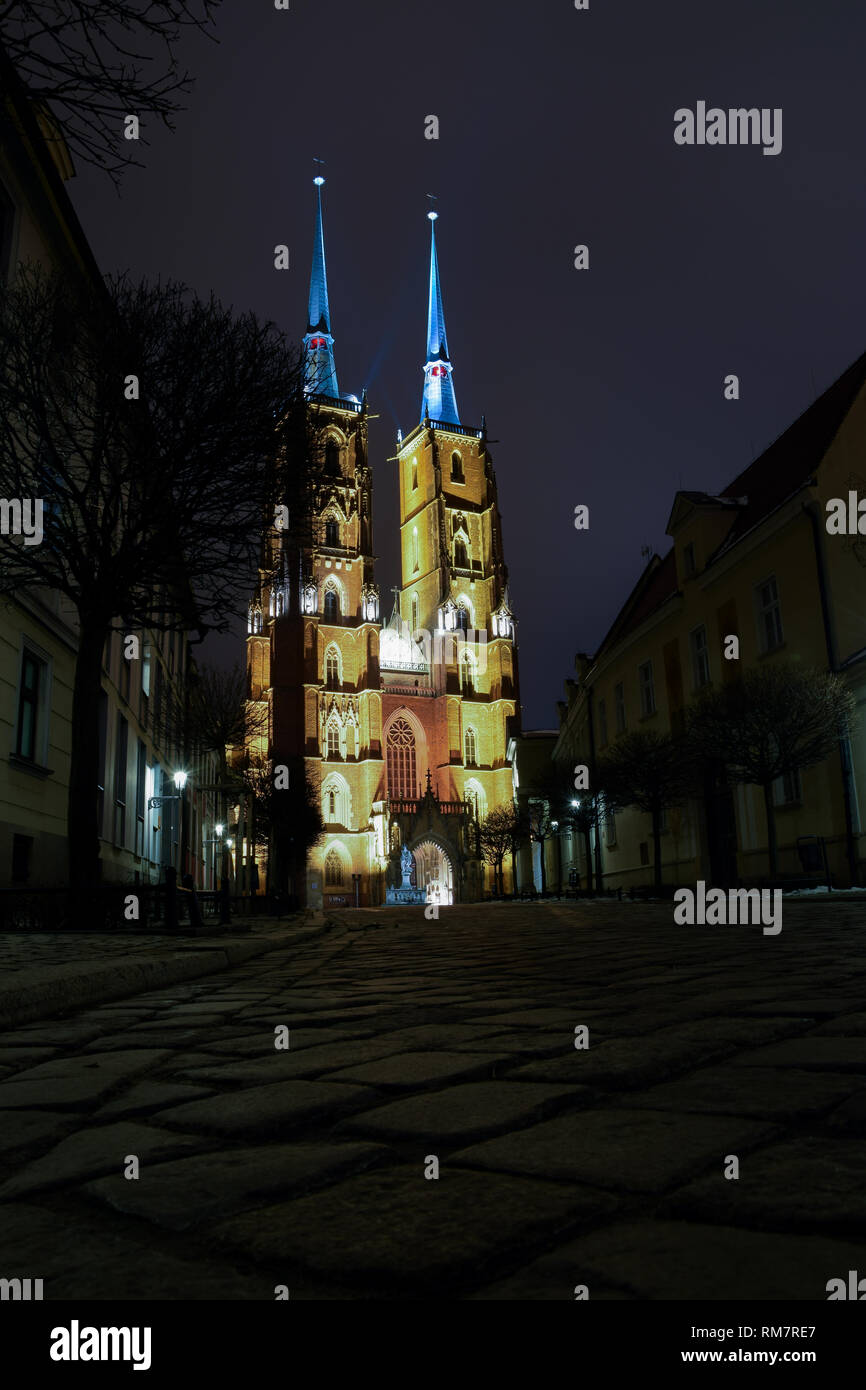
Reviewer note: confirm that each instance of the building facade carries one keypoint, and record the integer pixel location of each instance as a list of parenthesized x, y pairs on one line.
[(402, 725), (142, 700), (761, 561)]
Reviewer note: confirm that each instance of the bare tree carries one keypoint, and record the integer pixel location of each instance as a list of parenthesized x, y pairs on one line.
[(93, 63), (771, 722), (651, 771), (498, 835), (149, 421)]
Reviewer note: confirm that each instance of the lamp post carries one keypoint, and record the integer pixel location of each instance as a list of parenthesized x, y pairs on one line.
[(156, 802)]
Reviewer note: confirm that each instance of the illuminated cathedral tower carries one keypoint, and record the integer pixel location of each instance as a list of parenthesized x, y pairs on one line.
[(313, 641), (454, 609), (404, 727)]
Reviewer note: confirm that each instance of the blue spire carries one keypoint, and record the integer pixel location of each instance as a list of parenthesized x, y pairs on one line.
[(438, 400), (320, 373)]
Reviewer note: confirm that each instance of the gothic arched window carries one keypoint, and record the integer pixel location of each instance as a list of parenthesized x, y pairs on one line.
[(414, 474), (332, 532), (333, 870), (414, 613), (456, 468), (332, 458), (467, 675), (333, 739), (332, 605), (415, 560), (402, 782), (461, 618), (470, 748), (461, 558), (332, 804), (332, 667)]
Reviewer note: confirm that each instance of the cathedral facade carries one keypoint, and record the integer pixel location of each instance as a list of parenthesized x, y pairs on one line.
[(402, 725)]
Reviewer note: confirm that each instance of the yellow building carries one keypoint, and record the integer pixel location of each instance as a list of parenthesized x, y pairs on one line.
[(761, 561), (405, 725)]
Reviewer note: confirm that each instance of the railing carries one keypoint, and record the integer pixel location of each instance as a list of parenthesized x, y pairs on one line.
[(447, 428), (105, 907), (411, 807), (341, 404)]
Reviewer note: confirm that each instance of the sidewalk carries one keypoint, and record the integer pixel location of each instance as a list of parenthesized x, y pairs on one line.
[(47, 973)]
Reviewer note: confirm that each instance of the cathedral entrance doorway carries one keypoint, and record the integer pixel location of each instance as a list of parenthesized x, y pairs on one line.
[(434, 872)]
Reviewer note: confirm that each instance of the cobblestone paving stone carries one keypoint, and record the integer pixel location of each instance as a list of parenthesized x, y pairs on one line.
[(450, 1044)]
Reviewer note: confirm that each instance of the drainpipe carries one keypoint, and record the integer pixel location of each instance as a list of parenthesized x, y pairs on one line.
[(811, 510)]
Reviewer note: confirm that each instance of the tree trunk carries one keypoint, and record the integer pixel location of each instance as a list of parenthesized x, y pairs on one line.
[(587, 849), (771, 827), (82, 832), (657, 845)]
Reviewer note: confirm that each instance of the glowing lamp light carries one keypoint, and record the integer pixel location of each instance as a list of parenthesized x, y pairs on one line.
[(575, 804), (180, 779), (318, 180), (432, 216), (219, 829)]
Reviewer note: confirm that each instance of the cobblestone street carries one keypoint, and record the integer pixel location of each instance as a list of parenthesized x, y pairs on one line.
[(414, 1040)]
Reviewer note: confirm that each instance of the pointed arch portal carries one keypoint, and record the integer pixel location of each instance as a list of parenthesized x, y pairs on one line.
[(434, 872)]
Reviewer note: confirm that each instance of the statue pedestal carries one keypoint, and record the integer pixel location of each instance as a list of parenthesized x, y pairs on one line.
[(406, 894)]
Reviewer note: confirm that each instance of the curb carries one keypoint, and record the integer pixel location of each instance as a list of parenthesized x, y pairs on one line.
[(40, 994)]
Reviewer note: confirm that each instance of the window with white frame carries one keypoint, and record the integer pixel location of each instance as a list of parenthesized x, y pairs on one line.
[(333, 739), (415, 553), (700, 657), (770, 633), (647, 689)]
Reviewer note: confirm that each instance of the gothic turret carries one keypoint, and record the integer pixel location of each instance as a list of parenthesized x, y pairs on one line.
[(438, 401), (320, 372)]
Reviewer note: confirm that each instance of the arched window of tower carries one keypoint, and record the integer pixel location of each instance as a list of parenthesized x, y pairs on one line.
[(332, 603), (332, 458), (473, 792), (333, 739), (456, 468), (414, 474), (461, 618), (414, 613), (333, 675), (461, 557), (415, 554), (332, 532), (402, 779), (467, 673), (470, 747)]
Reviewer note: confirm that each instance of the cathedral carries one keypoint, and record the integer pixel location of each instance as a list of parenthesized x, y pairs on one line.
[(402, 725)]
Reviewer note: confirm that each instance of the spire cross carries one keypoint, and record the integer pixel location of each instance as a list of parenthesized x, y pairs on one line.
[(318, 179), (432, 214)]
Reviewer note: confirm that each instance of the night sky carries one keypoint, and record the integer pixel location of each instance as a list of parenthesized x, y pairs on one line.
[(603, 387)]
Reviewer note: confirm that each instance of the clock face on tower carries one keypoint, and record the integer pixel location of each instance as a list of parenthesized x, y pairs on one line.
[(437, 371)]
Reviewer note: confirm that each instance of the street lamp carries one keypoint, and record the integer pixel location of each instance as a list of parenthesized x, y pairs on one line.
[(180, 781)]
